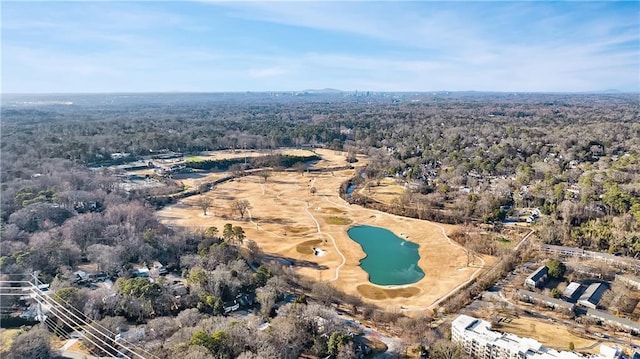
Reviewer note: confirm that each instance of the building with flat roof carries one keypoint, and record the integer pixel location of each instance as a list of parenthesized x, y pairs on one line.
[(616, 260), (572, 291), (480, 342), (550, 302), (592, 295), (610, 319), (537, 278)]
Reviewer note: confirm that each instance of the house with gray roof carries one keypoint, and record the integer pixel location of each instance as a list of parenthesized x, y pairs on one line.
[(592, 295), (538, 278)]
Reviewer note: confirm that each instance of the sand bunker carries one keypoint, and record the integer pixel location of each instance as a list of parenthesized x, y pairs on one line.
[(370, 291), (308, 247)]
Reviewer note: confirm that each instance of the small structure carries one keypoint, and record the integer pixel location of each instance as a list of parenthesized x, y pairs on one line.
[(246, 300), (142, 272), (230, 306), (135, 335), (572, 291), (159, 268), (538, 278), (80, 276), (592, 295), (179, 289)]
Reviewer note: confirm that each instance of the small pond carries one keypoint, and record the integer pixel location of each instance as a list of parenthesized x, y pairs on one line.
[(350, 188), (390, 259)]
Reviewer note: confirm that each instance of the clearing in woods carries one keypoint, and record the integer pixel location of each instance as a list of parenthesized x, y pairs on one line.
[(287, 219)]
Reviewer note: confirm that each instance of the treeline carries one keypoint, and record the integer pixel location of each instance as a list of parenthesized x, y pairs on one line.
[(273, 161)]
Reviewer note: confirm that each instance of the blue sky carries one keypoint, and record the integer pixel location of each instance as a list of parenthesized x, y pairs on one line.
[(144, 46)]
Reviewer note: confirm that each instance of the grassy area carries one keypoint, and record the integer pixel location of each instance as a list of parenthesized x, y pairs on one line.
[(341, 221), (6, 339), (194, 159), (550, 334)]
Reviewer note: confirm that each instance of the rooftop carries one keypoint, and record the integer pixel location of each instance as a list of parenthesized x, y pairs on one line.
[(593, 293), (546, 299), (572, 289), (539, 273), (627, 323), (480, 331)]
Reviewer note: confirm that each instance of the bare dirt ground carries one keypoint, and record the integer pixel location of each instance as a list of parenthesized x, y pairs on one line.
[(287, 220)]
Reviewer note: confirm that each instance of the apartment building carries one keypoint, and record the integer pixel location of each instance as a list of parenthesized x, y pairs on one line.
[(477, 339)]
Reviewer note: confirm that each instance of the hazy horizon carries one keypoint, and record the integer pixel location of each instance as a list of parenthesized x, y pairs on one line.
[(321, 92), (232, 47)]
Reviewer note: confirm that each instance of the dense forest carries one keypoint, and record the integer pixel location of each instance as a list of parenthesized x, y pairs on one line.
[(465, 158)]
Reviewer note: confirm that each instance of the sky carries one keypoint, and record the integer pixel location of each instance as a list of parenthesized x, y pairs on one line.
[(205, 46)]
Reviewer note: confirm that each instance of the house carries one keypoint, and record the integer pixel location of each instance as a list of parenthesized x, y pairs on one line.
[(159, 268), (592, 295), (552, 303), (135, 335), (616, 260), (80, 276), (538, 278), (572, 291), (231, 306), (246, 300), (142, 272), (179, 289)]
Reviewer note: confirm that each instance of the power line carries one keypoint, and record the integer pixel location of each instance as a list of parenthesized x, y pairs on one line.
[(65, 313), (60, 312), (90, 324)]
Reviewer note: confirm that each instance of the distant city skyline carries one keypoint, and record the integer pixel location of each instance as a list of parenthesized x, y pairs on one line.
[(147, 46)]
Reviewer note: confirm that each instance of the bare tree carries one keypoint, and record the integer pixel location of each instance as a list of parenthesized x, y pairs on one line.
[(237, 169), (241, 206), (31, 344), (254, 251), (267, 299), (265, 175), (204, 203)]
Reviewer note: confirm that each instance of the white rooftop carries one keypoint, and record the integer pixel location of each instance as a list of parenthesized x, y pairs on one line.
[(480, 331)]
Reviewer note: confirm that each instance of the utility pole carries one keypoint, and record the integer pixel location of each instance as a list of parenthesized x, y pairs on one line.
[(36, 284)]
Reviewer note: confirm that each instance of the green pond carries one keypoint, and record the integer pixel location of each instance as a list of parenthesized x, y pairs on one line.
[(390, 259)]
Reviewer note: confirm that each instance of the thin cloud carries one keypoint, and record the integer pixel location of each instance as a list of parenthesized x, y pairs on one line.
[(512, 46)]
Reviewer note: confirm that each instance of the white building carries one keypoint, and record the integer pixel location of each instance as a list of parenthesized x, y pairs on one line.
[(538, 278), (477, 339)]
